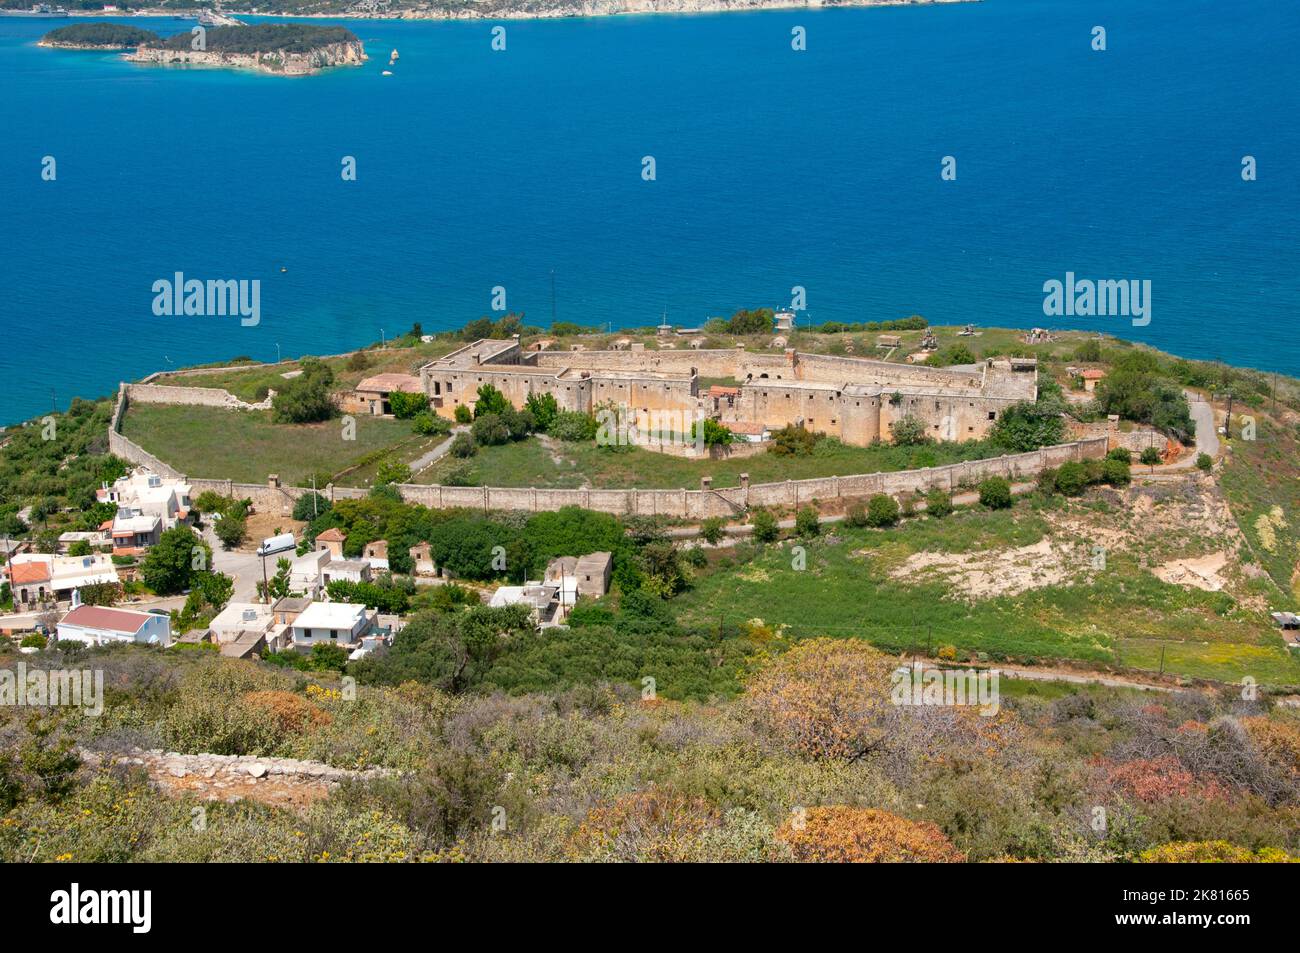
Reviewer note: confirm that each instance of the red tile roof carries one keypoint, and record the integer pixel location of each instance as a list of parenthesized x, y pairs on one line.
[(719, 391), (332, 535), (24, 574), (745, 427), (98, 617), (1092, 374)]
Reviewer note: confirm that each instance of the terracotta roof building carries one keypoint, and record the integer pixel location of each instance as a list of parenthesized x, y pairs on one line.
[(98, 625)]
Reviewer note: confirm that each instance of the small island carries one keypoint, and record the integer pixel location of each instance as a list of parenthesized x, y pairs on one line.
[(98, 36), (288, 49)]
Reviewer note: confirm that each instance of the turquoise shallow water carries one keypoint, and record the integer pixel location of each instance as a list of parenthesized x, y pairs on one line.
[(775, 168)]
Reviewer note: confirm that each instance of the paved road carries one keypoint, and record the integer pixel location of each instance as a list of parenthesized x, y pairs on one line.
[(244, 567)]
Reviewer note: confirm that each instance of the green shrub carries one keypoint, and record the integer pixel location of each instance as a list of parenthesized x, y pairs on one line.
[(392, 471), (766, 529), (882, 510), (428, 424), (938, 503), (405, 406), (807, 522), (1116, 472), (490, 430), (1119, 453), (909, 431), (463, 446), (1071, 478), (995, 493), (1150, 456), (463, 414), (1046, 481), (713, 529), (573, 426), (1204, 462), (856, 514)]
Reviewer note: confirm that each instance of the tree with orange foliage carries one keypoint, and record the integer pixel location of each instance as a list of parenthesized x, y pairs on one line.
[(653, 825), (826, 698), (1160, 779), (1278, 740), (291, 713), (858, 835)]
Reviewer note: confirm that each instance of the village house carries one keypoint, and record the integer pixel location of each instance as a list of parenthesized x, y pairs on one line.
[(305, 572), (372, 395), (543, 602), (39, 577), (331, 623), (376, 553), (97, 625), (147, 506), (345, 570), (332, 541), (1091, 377), (288, 608), (95, 540), (245, 628), (422, 563)]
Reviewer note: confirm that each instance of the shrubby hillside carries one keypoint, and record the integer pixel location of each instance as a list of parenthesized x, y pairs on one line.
[(811, 762)]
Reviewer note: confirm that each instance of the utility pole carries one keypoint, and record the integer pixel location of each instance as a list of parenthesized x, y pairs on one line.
[(1227, 422), (266, 586), (314, 497), (1162, 660)]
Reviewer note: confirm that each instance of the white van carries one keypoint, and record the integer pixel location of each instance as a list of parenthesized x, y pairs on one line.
[(276, 544)]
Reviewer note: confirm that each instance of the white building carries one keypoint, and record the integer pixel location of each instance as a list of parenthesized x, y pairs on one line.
[(345, 570), (40, 577), (247, 622), (98, 625), (147, 505), (332, 623), (542, 600), (305, 572)]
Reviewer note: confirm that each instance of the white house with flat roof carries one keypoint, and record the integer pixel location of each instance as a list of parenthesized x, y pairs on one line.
[(331, 623), (147, 505)]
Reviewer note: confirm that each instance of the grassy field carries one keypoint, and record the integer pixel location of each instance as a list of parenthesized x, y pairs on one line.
[(555, 463), (245, 446), (1123, 616), (248, 383), (1261, 480)]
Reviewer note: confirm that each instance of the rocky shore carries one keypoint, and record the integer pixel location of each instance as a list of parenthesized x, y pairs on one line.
[(278, 62)]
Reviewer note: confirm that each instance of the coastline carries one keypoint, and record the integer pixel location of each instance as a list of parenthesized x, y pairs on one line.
[(579, 9)]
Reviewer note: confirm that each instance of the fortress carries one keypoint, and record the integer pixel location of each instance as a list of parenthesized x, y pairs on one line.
[(850, 398)]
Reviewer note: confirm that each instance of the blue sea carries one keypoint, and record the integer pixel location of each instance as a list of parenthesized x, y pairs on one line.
[(774, 168)]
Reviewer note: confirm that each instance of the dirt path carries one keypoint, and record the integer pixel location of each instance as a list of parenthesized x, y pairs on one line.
[(438, 452)]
